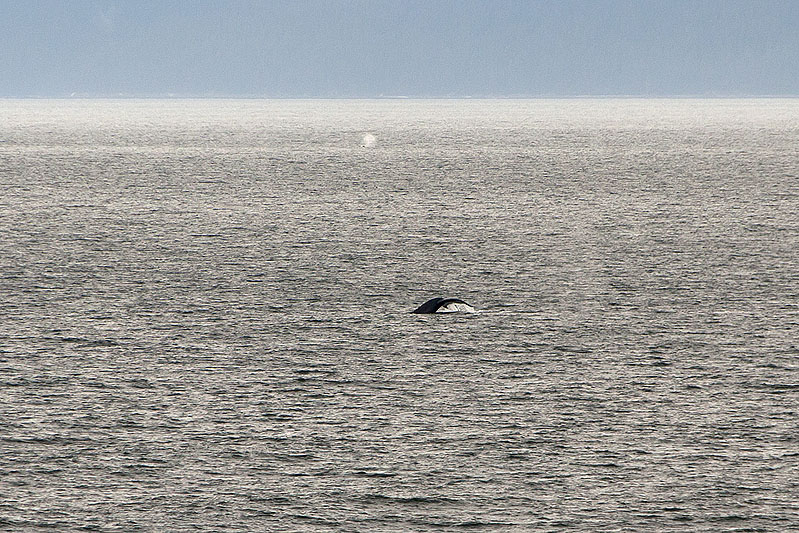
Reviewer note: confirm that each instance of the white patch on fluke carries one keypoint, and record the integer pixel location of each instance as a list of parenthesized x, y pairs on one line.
[(368, 140), (454, 307)]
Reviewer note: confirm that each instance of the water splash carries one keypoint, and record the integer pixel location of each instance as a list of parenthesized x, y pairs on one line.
[(368, 140)]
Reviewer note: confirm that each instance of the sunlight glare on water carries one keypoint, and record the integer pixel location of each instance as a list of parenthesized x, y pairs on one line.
[(205, 315)]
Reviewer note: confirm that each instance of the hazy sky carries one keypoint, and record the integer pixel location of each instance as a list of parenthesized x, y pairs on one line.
[(399, 47)]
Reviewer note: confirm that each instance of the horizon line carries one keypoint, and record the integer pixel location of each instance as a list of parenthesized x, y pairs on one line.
[(173, 96)]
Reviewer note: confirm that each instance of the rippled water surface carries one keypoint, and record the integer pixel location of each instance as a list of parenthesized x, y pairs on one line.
[(205, 315)]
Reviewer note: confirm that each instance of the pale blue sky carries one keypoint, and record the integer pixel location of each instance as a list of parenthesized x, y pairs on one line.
[(427, 48)]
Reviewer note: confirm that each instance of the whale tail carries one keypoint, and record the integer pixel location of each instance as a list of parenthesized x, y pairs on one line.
[(444, 305)]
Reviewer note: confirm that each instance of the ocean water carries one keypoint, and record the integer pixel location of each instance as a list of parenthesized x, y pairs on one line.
[(205, 315)]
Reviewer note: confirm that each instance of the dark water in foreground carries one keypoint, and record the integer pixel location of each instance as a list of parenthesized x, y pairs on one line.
[(205, 315)]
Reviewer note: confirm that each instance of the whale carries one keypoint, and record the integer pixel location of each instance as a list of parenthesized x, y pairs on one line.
[(444, 305)]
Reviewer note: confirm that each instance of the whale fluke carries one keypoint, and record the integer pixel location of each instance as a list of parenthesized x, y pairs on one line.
[(444, 305)]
